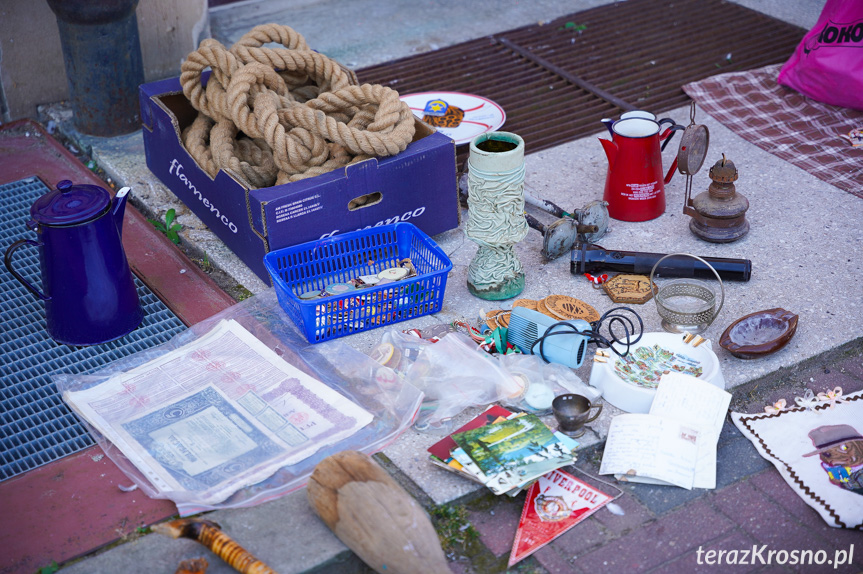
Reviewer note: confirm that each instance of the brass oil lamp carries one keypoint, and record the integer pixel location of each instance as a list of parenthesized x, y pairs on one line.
[(718, 214)]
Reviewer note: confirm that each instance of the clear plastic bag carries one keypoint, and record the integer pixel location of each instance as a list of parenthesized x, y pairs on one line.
[(398, 350), (375, 389), (455, 374), (536, 383)]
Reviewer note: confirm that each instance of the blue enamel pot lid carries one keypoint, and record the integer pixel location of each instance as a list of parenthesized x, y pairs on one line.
[(70, 204)]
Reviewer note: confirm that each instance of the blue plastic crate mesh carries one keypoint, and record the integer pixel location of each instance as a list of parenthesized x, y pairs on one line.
[(36, 426), (314, 265)]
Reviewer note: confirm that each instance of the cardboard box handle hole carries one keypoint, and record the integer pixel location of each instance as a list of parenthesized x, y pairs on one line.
[(366, 200)]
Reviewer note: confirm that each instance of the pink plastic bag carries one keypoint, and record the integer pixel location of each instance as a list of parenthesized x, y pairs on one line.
[(828, 64)]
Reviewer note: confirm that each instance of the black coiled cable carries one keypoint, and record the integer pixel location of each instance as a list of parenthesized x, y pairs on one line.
[(594, 335)]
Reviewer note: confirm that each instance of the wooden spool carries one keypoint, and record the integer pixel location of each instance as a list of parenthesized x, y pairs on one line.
[(368, 511)]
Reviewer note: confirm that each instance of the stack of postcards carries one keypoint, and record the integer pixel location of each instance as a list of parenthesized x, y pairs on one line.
[(504, 451)]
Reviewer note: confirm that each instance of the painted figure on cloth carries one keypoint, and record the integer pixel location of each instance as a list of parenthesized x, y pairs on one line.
[(841, 450)]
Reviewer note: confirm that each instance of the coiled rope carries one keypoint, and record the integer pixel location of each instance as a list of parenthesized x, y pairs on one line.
[(276, 115)]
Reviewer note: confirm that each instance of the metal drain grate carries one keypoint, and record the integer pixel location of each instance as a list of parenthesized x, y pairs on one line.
[(557, 80), (36, 427)]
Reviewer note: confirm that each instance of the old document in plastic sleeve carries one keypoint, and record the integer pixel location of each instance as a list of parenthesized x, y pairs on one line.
[(216, 415)]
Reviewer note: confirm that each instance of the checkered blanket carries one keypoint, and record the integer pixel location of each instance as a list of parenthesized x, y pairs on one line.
[(785, 123)]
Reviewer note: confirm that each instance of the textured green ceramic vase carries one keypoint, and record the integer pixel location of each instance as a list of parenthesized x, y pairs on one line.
[(496, 215)]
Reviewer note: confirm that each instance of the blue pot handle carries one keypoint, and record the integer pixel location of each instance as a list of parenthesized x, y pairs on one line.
[(7, 260), (668, 121)]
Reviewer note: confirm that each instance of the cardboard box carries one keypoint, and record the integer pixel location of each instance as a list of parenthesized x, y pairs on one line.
[(417, 185)]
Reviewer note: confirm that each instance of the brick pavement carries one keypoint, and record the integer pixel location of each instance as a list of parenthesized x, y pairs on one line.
[(669, 530)]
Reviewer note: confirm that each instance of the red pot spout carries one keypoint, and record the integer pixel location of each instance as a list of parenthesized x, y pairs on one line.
[(610, 151)]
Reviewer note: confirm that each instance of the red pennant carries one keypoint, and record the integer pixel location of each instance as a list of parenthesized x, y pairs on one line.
[(555, 503)]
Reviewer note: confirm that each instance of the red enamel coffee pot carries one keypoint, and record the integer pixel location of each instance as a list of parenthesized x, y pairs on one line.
[(635, 186)]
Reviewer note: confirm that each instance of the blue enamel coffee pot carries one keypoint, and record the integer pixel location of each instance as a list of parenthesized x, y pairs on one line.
[(87, 286)]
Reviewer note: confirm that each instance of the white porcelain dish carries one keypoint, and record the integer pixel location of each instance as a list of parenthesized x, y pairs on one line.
[(633, 391)]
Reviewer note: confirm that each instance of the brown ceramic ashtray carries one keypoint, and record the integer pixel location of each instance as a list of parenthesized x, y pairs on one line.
[(759, 334)]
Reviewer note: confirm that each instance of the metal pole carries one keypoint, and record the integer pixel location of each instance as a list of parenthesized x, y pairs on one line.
[(102, 54)]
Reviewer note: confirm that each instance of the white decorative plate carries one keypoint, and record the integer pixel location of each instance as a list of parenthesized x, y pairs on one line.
[(480, 115), (634, 393)]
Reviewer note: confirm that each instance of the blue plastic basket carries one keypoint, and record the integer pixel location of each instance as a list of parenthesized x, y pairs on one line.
[(316, 264)]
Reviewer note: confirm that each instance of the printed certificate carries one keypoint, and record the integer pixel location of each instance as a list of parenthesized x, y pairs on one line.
[(216, 415)]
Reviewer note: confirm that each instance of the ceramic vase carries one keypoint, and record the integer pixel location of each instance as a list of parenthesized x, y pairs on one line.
[(496, 215)]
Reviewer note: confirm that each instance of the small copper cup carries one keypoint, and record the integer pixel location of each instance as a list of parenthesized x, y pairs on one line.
[(573, 412)]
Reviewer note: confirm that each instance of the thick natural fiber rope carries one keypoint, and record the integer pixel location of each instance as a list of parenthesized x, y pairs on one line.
[(282, 114), (196, 138), (252, 159), (210, 54), (214, 147)]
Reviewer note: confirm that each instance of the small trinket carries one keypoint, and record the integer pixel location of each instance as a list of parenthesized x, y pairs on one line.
[(776, 407), (338, 288), (808, 401), (629, 289), (572, 412), (393, 273), (408, 264), (436, 332), (539, 396), (384, 354), (369, 280), (833, 397), (565, 308), (310, 294), (854, 137), (515, 386), (598, 280)]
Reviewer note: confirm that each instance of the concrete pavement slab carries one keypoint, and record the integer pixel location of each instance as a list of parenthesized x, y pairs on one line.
[(363, 33), (283, 533), (658, 542), (762, 518), (774, 486), (693, 563)]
